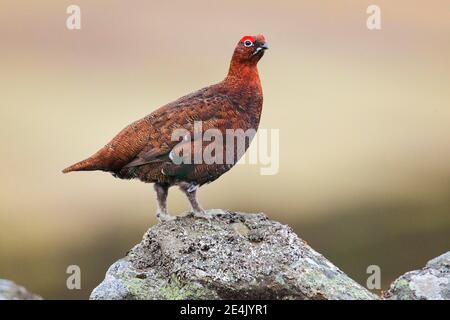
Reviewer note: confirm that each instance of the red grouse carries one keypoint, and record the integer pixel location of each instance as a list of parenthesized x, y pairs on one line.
[(145, 149)]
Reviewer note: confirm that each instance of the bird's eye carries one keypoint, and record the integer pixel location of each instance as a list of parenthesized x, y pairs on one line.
[(248, 43)]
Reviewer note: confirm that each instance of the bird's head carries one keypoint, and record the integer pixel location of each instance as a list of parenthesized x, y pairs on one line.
[(250, 49)]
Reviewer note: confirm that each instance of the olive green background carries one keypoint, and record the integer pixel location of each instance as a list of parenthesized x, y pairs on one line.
[(364, 120)]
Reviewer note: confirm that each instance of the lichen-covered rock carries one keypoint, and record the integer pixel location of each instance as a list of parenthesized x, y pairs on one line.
[(11, 291), (231, 256), (429, 283)]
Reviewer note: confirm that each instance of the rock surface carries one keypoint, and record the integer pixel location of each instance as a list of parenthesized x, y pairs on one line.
[(430, 283), (232, 256), (11, 291)]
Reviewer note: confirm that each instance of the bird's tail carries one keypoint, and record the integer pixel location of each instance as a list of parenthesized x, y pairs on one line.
[(88, 164)]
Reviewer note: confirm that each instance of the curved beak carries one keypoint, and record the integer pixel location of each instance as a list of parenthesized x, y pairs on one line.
[(262, 47)]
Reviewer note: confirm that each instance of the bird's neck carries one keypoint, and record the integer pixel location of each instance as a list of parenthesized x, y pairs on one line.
[(243, 75)]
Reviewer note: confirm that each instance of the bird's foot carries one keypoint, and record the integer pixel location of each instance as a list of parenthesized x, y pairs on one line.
[(202, 214), (163, 216)]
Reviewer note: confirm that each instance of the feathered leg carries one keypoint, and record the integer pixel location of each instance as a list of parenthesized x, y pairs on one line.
[(190, 191), (161, 195)]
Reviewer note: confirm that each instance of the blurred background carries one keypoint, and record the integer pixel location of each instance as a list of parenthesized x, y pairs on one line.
[(364, 120)]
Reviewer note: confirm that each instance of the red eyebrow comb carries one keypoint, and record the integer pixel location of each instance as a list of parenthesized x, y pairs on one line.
[(248, 38)]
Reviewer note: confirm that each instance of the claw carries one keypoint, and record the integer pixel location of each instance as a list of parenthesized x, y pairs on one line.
[(202, 215), (163, 217)]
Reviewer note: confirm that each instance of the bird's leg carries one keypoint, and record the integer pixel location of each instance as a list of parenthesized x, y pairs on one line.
[(161, 195), (190, 191)]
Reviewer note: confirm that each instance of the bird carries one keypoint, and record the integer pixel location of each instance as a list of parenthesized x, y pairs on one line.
[(146, 150)]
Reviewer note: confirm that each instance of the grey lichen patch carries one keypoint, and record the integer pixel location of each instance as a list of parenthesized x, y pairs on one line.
[(11, 291), (430, 283), (240, 228), (232, 256), (428, 286)]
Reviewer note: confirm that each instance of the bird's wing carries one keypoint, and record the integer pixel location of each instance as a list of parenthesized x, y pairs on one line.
[(213, 111), (153, 155)]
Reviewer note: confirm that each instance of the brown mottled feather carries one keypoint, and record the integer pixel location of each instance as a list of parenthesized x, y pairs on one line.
[(141, 150)]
